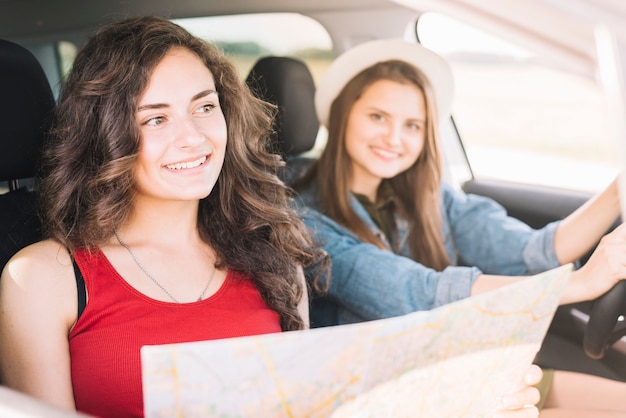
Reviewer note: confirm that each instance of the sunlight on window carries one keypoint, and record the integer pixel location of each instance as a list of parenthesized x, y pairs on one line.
[(463, 38), (520, 119), (245, 38)]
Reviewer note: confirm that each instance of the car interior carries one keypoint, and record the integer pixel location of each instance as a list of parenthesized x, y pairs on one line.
[(31, 73), (27, 103), (288, 83)]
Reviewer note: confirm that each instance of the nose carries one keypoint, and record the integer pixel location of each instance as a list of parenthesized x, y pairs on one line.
[(189, 134), (393, 136)]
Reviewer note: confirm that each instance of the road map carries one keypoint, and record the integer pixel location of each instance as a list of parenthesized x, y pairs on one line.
[(453, 361)]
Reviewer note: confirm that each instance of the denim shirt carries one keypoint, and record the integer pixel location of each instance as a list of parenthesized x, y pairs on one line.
[(369, 283)]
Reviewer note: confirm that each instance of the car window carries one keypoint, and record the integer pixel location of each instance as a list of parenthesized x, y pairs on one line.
[(67, 52), (245, 38), (521, 119)]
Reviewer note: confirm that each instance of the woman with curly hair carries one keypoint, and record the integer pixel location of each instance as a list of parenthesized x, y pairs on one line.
[(164, 217)]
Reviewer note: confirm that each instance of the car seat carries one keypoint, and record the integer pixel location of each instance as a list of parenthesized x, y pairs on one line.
[(26, 103), (288, 83)]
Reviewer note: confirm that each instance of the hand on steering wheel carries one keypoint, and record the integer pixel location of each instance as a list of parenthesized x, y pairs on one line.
[(601, 331)]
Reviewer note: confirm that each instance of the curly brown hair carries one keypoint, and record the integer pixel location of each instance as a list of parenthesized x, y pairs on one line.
[(87, 186)]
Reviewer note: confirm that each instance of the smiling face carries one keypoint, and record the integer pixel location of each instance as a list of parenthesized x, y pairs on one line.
[(385, 133), (183, 130)]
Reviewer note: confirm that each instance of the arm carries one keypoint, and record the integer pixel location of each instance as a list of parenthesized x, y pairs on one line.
[(38, 307), (577, 233), (371, 283), (605, 267), (480, 232)]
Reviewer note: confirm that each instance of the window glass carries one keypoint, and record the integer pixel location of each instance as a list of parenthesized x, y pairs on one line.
[(521, 119), (67, 53), (245, 38)]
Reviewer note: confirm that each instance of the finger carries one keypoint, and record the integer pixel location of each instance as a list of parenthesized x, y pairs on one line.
[(525, 397), (533, 375), (526, 412)]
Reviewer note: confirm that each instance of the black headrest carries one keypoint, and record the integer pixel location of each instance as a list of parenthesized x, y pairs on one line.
[(287, 83), (26, 101)]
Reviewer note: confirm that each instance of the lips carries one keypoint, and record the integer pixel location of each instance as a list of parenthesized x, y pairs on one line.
[(187, 164), (385, 153)]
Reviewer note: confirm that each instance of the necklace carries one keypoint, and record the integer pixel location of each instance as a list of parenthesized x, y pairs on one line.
[(134, 257)]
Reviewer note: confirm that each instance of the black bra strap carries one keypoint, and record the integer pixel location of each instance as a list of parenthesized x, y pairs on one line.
[(80, 287)]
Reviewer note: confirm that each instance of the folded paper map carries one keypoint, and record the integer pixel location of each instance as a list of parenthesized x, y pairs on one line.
[(453, 361)]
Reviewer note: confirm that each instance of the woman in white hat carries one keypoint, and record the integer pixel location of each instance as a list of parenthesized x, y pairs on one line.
[(401, 240)]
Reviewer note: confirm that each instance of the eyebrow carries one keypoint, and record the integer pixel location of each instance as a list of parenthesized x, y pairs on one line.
[(412, 119), (197, 96)]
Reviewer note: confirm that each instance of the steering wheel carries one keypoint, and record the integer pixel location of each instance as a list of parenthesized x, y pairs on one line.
[(601, 330)]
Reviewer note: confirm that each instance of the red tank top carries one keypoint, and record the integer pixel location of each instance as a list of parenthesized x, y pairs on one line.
[(118, 320)]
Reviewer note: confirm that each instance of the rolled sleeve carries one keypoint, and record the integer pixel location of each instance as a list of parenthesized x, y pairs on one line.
[(370, 283), (455, 283), (486, 237), (539, 253)]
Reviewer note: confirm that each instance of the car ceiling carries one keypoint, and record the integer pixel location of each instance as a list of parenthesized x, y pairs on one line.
[(558, 30), (22, 18)]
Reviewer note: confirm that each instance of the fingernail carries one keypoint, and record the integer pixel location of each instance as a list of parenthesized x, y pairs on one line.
[(507, 402)]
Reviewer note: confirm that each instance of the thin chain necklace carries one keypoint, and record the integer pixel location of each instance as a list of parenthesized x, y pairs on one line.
[(132, 254)]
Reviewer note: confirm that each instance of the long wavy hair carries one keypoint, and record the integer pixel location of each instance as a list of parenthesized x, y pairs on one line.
[(416, 190), (88, 165)]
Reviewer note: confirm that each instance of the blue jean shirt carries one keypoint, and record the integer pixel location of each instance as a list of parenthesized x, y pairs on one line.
[(369, 283)]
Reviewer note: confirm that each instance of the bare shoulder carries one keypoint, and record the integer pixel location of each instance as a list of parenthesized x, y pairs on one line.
[(45, 266), (38, 307)]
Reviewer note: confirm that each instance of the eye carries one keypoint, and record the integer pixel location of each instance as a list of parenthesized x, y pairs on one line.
[(206, 108), (155, 121), (377, 117), (415, 126)]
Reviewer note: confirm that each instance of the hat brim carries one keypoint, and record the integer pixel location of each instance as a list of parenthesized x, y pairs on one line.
[(364, 55)]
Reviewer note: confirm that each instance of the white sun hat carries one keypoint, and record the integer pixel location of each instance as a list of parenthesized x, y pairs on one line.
[(364, 55)]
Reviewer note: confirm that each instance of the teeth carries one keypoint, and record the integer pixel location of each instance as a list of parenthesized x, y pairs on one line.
[(387, 154), (190, 164)]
